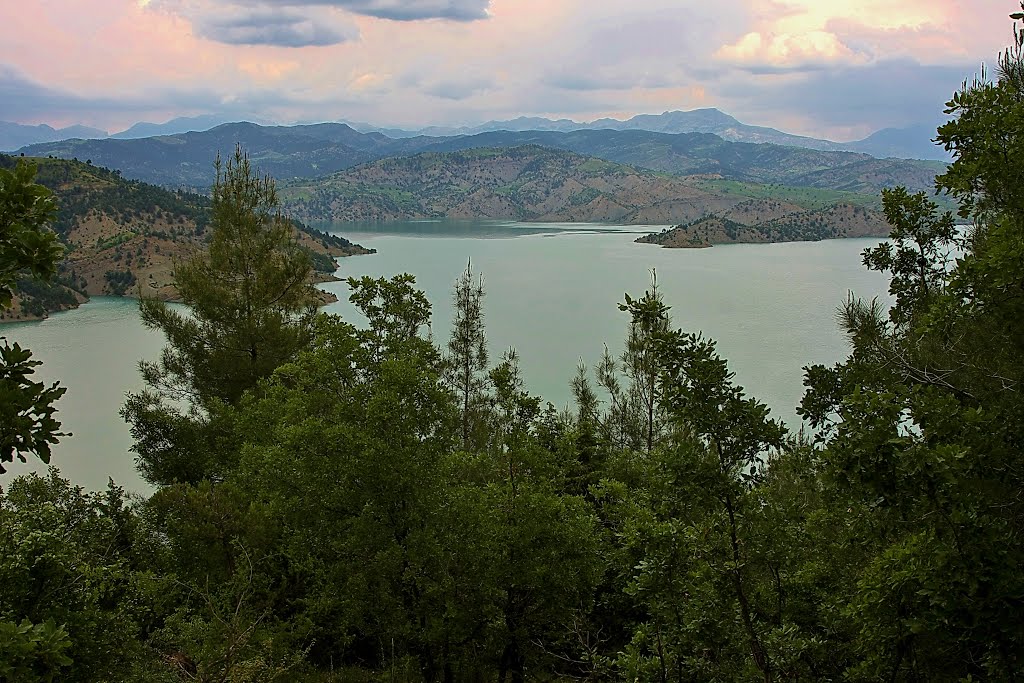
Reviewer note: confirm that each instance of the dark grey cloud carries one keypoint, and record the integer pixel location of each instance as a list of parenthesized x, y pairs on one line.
[(269, 26), (412, 10), (24, 99), (305, 23), (888, 93), (458, 90), (395, 10)]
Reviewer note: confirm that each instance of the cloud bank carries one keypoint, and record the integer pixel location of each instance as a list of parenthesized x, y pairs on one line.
[(839, 69)]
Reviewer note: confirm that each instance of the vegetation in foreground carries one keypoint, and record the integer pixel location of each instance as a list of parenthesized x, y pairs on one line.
[(352, 504)]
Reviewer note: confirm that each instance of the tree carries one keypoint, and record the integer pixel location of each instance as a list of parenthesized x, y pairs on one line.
[(27, 423), (68, 563), (251, 307), (922, 423), (26, 209), (467, 349)]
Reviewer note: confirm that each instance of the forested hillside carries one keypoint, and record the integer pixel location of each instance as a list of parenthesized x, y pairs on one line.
[(386, 502), (123, 237)]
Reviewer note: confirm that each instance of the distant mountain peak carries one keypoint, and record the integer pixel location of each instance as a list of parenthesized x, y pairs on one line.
[(17, 135)]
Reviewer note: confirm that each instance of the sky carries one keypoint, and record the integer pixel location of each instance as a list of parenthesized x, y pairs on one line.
[(838, 69)]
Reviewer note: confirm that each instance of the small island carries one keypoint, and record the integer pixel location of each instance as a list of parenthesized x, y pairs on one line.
[(761, 221)]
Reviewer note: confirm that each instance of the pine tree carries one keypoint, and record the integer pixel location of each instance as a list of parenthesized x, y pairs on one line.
[(467, 359), (251, 308)]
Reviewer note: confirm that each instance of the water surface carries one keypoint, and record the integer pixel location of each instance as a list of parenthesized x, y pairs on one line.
[(552, 291)]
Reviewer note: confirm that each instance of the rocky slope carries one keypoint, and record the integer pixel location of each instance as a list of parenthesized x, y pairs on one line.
[(838, 221)]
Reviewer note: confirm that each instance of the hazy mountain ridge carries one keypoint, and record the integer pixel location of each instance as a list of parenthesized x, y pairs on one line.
[(289, 152), (14, 136), (912, 142), (181, 124)]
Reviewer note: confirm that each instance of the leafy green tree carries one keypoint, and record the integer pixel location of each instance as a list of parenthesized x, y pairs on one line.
[(540, 545), (70, 594), (251, 306), (26, 209), (723, 438), (27, 422), (922, 423), (347, 444)]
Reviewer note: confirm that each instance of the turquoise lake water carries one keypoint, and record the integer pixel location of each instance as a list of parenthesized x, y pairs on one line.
[(551, 292)]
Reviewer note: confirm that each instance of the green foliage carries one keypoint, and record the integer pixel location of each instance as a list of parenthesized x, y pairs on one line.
[(26, 209), (251, 306), (26, 408), (70, 558), (32, 653), (27, 424)]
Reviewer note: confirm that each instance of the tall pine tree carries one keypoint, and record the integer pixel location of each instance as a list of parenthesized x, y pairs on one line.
[(251, 308)]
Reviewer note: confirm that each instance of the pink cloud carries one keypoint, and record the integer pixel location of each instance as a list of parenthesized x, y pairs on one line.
[(522, 57)]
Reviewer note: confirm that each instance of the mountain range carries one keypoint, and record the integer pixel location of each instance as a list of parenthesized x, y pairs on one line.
[(303, 152), (15, 135), (913, 142)]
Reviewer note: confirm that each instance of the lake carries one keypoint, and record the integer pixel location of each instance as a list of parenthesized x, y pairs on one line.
[(551, 292)]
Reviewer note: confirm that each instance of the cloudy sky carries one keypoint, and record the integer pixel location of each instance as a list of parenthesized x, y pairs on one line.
[(830, 68)]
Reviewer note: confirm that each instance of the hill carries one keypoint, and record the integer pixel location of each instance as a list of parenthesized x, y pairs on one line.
[(122, 237), (528, 183), (690, 154), (289, 152), (769, 222)]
